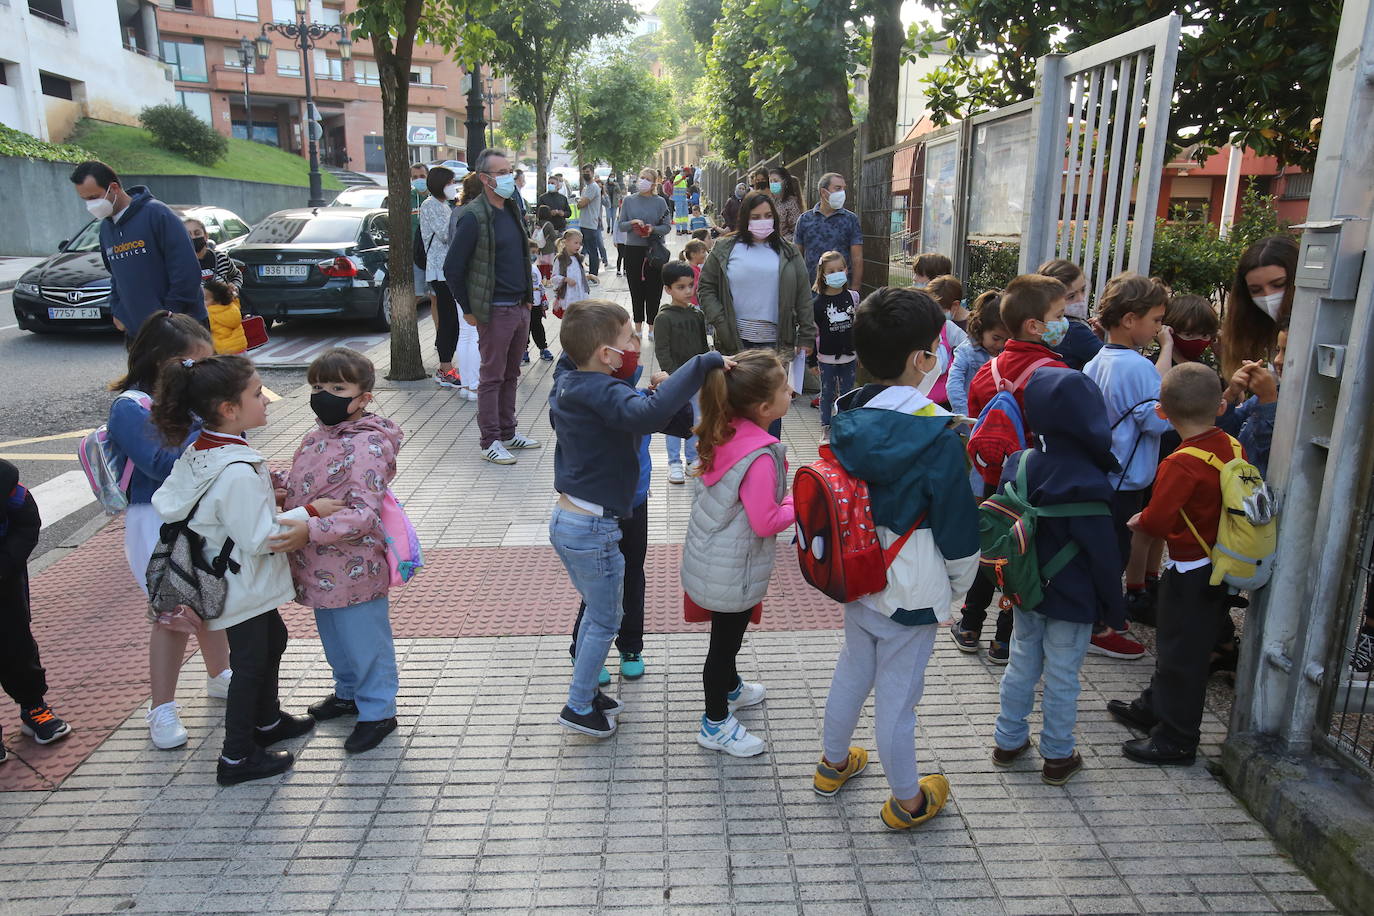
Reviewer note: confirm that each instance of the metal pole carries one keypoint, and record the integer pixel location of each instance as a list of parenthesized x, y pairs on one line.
[(316, 185), (1228, 200), (476, 122), (247, 99)]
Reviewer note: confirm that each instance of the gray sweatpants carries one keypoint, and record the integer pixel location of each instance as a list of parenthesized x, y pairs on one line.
[(882, 657)]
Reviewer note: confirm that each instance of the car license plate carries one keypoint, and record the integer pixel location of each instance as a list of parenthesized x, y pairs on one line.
[(55, 313), (283, 270)]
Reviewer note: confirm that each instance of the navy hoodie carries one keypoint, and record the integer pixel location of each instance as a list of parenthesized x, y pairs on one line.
[(1071, 464), (1079, 345), (19, 527), (151, 261)]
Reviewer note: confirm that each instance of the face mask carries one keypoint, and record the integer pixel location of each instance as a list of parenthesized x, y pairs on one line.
[(645, 185), (760, 228), (775, 187), (836, 278), (1077, 309), (1271, 304), (505, 185), (930, 378), (101, 207), (837, 199), (418, 184), (332, 409), (1191, 349), (1054, 332), (629, 361), (198, 243), (451, 192), (552, 186)]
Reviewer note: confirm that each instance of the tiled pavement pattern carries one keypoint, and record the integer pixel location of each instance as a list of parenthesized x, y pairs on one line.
[(480, 802)]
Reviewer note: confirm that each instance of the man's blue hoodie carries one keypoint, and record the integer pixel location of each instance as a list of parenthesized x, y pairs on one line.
[(1071, 464), (151, 261)]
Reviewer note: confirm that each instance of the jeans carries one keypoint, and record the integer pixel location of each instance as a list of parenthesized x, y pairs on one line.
[(591, 243), (589, 546), (836, 379), (1053, 648), (357, 643), (501, 342), (674, 444), (255, 651), (634, 547)]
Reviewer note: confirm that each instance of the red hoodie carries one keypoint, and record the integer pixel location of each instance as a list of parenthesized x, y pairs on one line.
[(1014, 359)]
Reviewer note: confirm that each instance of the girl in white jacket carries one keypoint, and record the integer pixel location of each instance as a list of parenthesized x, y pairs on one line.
[(223, 487)]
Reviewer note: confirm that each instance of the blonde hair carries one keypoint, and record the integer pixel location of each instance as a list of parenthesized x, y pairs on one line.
[(564, 256), (946, 290), (757, 375), (823, 260), (692, 247)]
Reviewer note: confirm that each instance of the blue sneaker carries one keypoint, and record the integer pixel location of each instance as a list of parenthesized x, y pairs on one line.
[(602, 679), (631, 665)]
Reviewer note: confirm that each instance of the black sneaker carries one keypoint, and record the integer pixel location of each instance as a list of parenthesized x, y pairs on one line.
[(1362, 660), (999, 653), (286, 727), (967, 640), (42, 724), (593, 723), (367, 735), (609, 705), (1140, 607), (258, 765), (331, 707)]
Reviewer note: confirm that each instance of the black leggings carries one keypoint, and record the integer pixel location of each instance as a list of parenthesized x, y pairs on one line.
[(445, 321), (979, 597), (646, 283), (634, 547), (619, 256), (255, 651), (718, 675), (21, 673), (541, 340)]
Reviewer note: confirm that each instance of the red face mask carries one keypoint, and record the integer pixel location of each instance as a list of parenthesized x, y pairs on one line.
[(1191, 348), (629, 362)]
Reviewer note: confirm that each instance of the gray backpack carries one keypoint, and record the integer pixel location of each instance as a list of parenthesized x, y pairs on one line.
[(179, 575)]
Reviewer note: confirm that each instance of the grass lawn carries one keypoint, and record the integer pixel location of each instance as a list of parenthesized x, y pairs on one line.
[(131, 149)]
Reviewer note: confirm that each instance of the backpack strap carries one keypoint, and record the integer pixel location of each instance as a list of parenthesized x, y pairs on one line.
[(1030, 370), (890, 552), (1203, 455), (1130, 410), (1206, 548), (996, 375)]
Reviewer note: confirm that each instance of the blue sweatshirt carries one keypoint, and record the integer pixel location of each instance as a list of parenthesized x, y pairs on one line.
[(599, 421), (151, 261), (968, 359), (1130, 387), (134, 437), (1252, 423)]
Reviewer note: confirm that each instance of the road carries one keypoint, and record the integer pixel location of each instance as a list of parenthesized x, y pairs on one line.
[(55, 387)]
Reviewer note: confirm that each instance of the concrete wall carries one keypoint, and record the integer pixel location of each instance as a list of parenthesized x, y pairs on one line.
[(251, 200)]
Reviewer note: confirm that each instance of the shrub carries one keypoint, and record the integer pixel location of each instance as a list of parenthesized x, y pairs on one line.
[(17, 143), (177, 130), (991, 265)]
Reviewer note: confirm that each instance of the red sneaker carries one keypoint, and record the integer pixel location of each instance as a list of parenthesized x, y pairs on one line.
[(1115, 645)]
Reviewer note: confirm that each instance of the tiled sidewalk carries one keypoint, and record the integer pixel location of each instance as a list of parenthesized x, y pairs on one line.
[(480, 802)]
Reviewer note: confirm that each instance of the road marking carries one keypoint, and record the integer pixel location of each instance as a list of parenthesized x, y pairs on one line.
[(38, 456), (61, 496), (299, 352), (271, 396), (7, 327), (75, 434)]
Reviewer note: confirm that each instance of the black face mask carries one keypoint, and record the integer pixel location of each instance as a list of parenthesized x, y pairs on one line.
[(332, 409), (199, 241)]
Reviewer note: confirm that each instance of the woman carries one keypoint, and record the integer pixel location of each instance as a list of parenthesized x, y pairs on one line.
[(644, 215), (1261, 297), (786, 191), (435, 214), (754, 288), (758, 180), (214, 265)]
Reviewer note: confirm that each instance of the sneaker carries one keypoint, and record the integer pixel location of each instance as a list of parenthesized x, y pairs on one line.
[(331, 707), (603, 677), (675, 472), (164, 727), (1362, 660), (260, 764), (468, 394), (42, 724), (651, 334), (1140, 607), (746, 694), (593, 278), (730, 737), (967, 640), (367, 735), (447, 378), (594, 723), (217, 687), (520, 440), (631, 666), (525, 358), (829, 780), (936, 790), (286, 727), (609, 706), (546, 355), (1115, 645), (1056, 772), (496, 453), (1005, 758), (816, 402), (999, 653)]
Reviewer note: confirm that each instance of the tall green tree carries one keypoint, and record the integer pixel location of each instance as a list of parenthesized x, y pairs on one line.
[(517, 124), (624, 113)]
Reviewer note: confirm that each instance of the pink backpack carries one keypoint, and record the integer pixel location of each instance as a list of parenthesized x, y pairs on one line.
[(109, 480), (403, 555), (938, 392)]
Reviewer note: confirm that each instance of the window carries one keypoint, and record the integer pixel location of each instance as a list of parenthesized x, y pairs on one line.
[(1295, 187), (328, 68), (51, 10), (187, 61), (233, 57), (451, 126), (198, 103), (288, 62), (234, 227), (365, 72), (4, 78), (285, 11), (55, 86), (247, 10), (422, 75), (328, 15)]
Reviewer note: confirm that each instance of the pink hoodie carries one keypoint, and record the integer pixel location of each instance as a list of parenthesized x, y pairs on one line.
[(766, 517), (345, 562)]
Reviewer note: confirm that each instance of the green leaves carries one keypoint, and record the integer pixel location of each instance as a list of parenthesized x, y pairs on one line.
[(17, 143), (626, 114)]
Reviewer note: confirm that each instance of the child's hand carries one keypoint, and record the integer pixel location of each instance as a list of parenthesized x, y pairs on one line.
[(1240, 382), (296, 536), (729, 363), (327, 506), (1134, 522), (658, 378), (1264, 384), (1165, 337)]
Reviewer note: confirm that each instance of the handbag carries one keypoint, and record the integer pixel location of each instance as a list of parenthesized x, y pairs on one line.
[(657, 255), (255, 331), (421, 252)]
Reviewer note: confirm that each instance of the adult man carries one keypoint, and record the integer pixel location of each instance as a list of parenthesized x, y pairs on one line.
[(520, 191), (590, 220), (145, 248), (730, 212), (828, 226), (554, 199), (488, 272)]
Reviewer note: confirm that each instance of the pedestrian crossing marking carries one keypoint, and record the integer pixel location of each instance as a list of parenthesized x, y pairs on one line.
[(61, 496), (74, 434), (37, 456)]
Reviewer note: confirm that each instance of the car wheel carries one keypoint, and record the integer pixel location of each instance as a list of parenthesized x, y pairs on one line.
[(382, 320)]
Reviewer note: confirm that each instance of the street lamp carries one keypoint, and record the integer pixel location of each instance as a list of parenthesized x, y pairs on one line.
[(246, 54), (306, 34)]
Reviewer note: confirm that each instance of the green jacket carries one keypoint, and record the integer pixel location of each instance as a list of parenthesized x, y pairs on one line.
[(679, 334), (481, 276), (796, 319)]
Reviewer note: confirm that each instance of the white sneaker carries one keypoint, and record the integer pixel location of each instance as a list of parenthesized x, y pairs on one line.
[(497, 454), (164, 726), (217, 687), (651, 334), (675, 472), (520, 440), (730, 737), (748, 695), (469, 394)]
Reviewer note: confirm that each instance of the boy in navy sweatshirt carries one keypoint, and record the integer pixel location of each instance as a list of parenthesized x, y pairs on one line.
[(599, 419)]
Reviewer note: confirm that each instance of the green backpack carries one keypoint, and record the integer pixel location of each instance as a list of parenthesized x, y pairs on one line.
[(1006, 534)]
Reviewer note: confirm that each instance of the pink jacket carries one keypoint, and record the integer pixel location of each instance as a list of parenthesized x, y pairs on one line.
[(345, 562), (766, 517)]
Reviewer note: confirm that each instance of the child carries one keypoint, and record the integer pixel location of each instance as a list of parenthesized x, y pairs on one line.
[(342, 572), (697, 221), (1131, 312), (163, 338), (833, 304), (1194, 326), (694, 253), (1070, 464), (1080, 343), (1251, 420), (537, 313), (891, 435), (599, 420), (681, 338), (21, 670), (569, 273), (544, 258), (1032, 308), (226, 319), (222, 486), (928, 266), (1184, 510), (949, 293), (986, 337), (727, 557)]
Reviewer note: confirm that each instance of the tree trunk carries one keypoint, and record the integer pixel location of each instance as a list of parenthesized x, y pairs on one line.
[(577, 123), (541, 142), (884, 73)]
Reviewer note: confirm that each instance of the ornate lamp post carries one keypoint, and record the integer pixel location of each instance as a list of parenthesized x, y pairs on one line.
[(246, 55), (306, 34)]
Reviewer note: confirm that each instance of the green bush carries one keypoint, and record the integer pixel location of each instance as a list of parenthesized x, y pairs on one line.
[(177, 130), (17, 143), (991, 265)]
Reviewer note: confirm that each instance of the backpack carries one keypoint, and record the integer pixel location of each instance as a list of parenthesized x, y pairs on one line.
[(109, 480), (421, 249), (939, 392), (837, 540), (403, 556), (1247, 532), (1000, 430), (179, 575), (1006, 535)]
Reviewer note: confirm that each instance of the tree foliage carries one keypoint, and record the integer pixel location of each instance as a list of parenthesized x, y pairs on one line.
[(625, 114), (177, 130), (517, 124), (1192, 257), (1253, 70), (676, 47)]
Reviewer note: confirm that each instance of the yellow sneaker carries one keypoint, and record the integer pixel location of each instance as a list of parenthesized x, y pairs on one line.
[(936, 789), (828, 780)]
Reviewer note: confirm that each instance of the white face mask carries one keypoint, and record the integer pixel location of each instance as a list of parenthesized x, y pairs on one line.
[(451, 192), (837, 199), (645, 185), (1271, 303), (928, 381), (101, 207)]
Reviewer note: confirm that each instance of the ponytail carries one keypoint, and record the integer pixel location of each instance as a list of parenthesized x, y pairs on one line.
[(187, 391), (756, 376)]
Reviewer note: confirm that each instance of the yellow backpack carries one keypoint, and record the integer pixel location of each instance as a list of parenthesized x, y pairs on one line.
[(1247, 532)]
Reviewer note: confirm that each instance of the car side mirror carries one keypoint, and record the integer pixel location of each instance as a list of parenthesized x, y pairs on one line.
[(62, 245)]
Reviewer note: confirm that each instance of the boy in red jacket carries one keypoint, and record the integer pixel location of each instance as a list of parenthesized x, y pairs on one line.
[(1192, 611)]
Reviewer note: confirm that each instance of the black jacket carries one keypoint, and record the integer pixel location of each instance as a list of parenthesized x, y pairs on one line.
[(19, 527)]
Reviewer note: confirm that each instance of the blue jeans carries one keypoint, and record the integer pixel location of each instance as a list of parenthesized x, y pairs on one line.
[(674, 444), (357, 643), (589, 546), (1054, 648), (836, 379), (591, 243)]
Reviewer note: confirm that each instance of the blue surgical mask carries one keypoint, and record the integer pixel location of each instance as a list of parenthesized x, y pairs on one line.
[(836, 278), (775, 187), (418, 184), (505, 185), (1055, 331)]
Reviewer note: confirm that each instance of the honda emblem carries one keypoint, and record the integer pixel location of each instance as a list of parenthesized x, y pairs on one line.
[(73, 296), (279, 256)]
